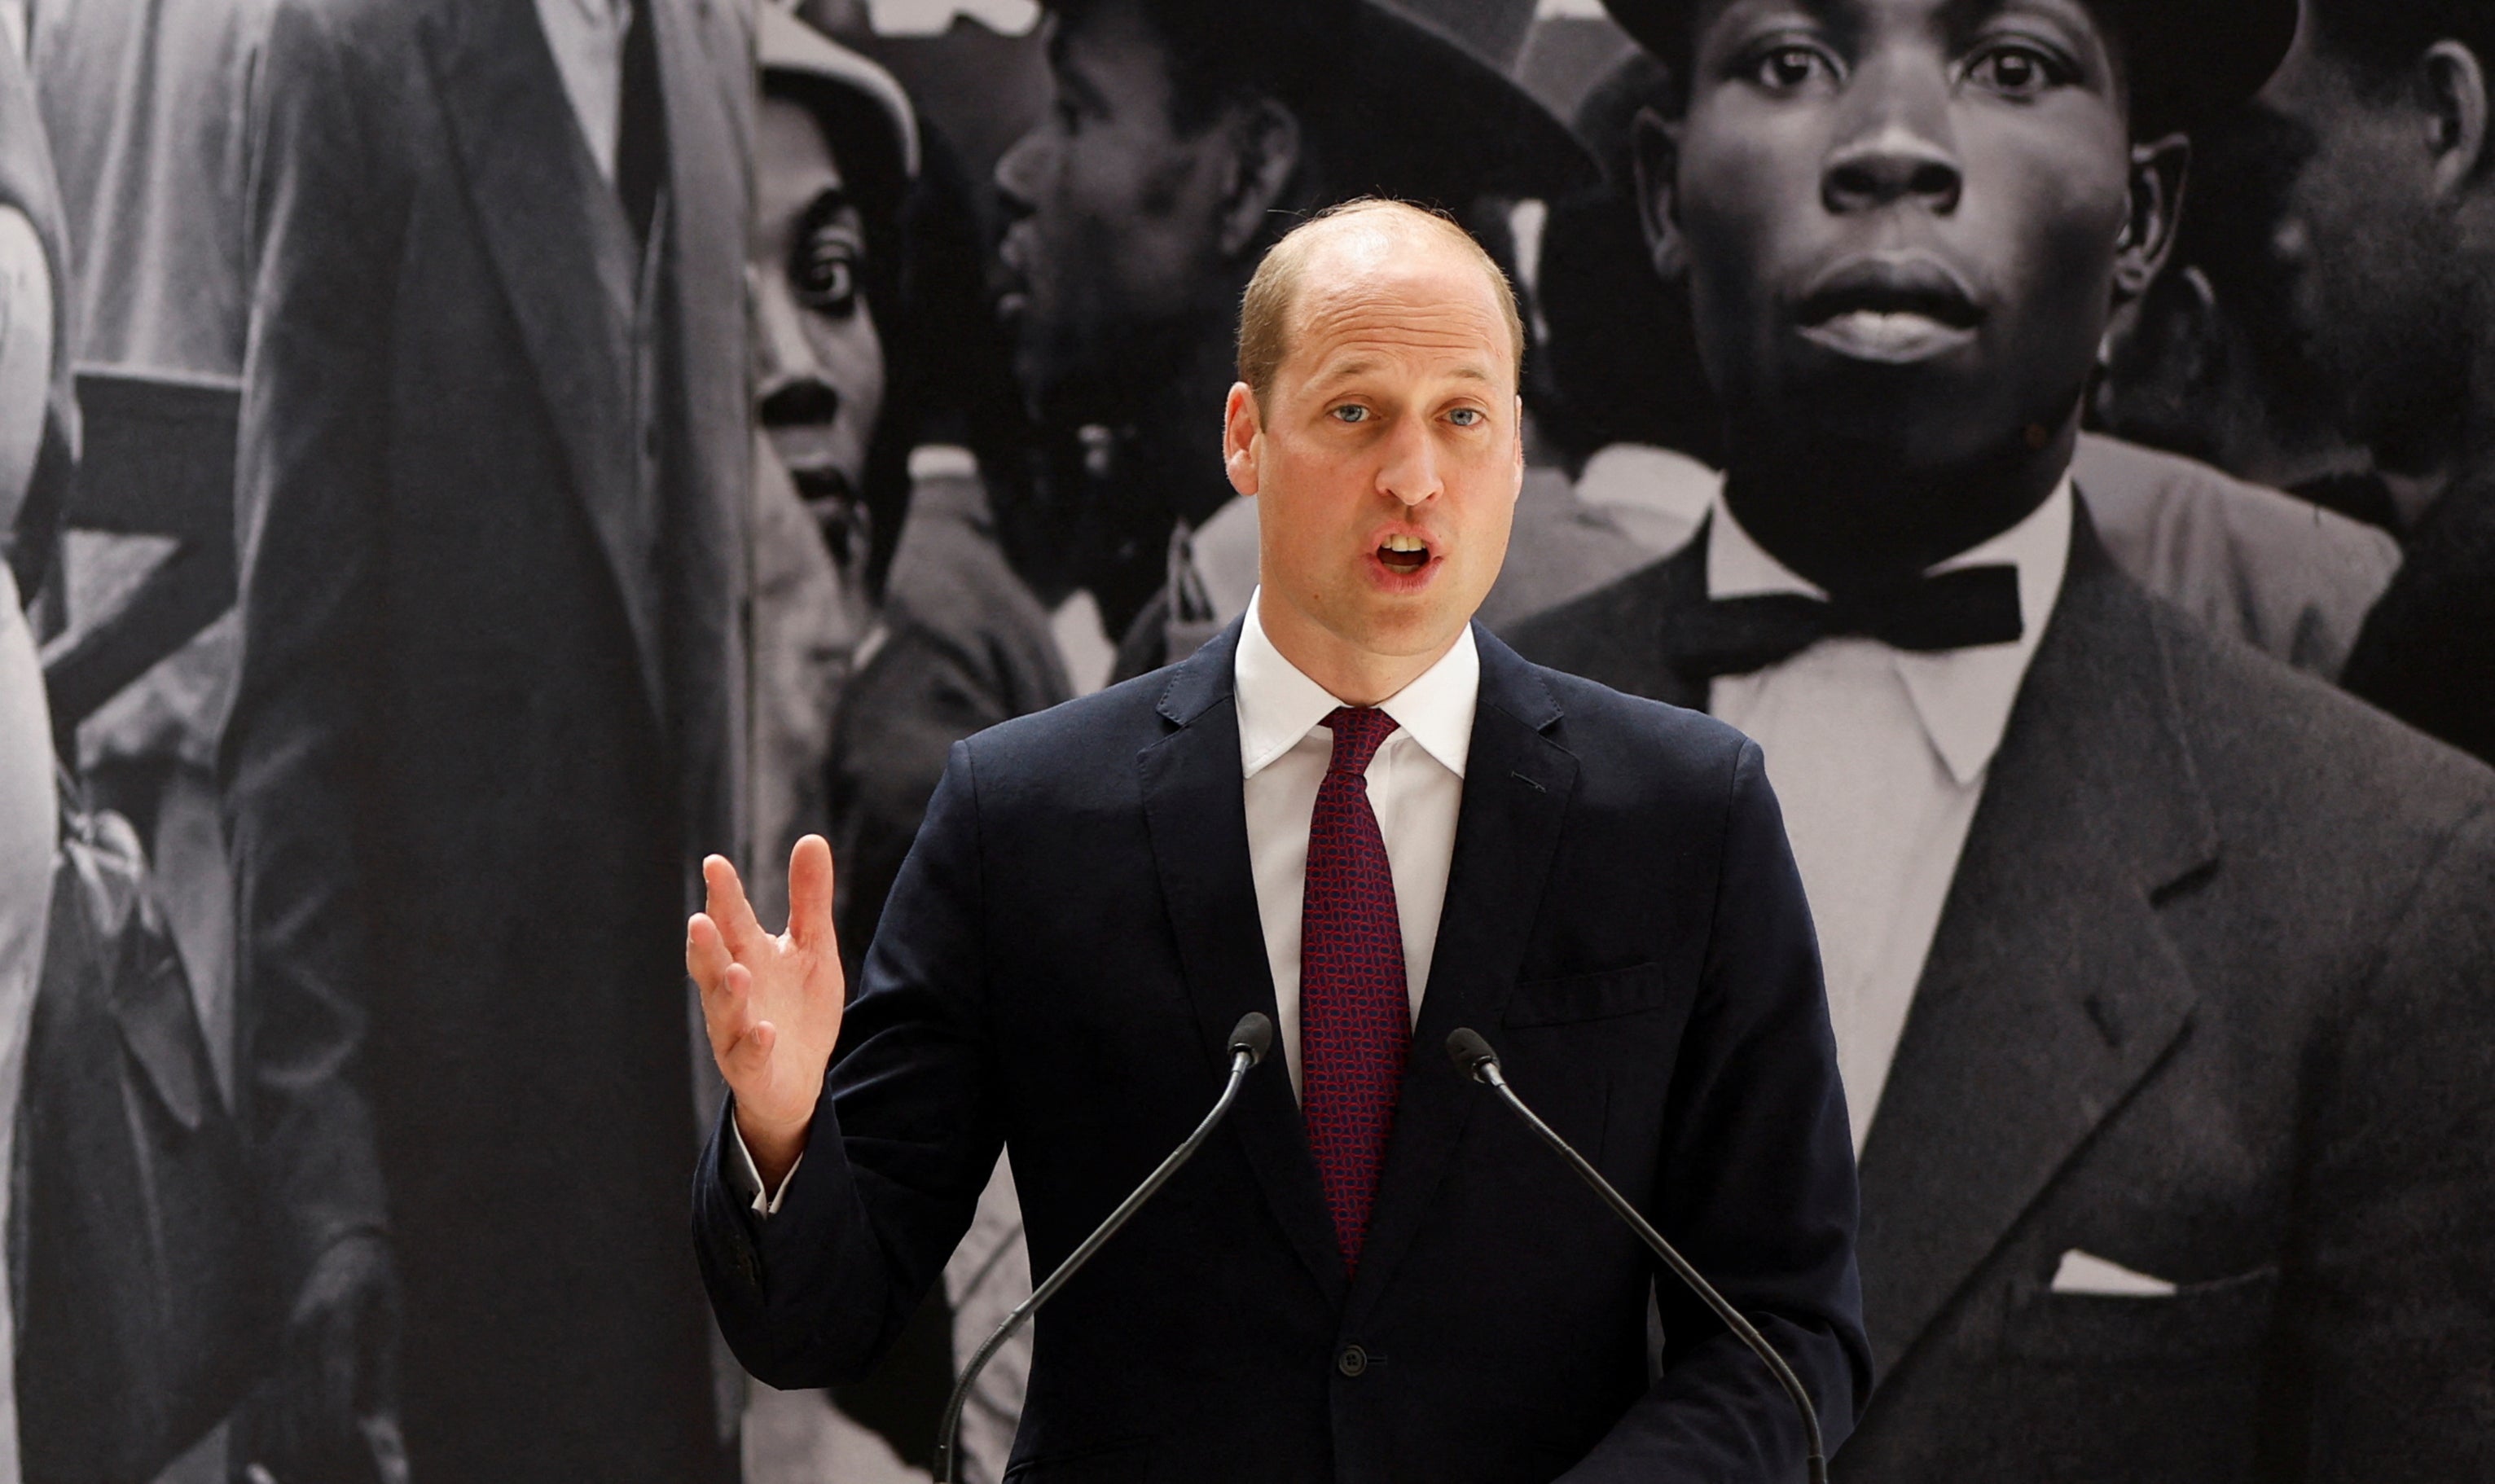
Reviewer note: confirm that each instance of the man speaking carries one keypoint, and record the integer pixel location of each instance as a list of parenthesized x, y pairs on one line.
[(1360, 815)]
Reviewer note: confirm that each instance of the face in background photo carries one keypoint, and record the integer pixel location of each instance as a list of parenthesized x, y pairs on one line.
[(2384, 218), (1112, 251), (835, 147), (1904, 223), (821, 377)]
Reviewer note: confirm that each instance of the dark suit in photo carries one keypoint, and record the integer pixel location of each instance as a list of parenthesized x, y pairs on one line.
[(493, 454), (2212, 998)]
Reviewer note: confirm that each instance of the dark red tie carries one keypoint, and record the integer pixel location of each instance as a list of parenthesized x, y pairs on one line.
[(1355, 1010)]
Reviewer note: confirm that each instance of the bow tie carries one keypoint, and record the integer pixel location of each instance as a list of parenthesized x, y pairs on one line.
[(1959, 609)]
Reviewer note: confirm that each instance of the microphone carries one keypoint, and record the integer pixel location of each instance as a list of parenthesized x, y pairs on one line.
[(1473, 1058), (1250, 1040)]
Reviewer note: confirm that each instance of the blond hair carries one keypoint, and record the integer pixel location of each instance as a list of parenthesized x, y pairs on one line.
[(1265, 311)]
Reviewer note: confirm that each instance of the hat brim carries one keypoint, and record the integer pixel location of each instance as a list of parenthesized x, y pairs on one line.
[(1457, 124), (2187, 59), (785, 48)]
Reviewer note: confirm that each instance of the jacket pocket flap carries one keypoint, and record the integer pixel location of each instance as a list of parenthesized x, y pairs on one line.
[(1579, 996)]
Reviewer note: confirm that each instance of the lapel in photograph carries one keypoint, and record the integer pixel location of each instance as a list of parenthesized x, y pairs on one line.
[(1517, 784), (1196, 809), (1615, 637), (570, 288), (2053, 988), (706, 75)]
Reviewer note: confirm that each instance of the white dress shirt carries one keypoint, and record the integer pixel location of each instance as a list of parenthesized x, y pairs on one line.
[(587, 38), (1879, 756), (1416, 782)]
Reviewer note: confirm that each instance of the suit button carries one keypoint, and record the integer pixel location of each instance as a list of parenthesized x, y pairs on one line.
[(1352, 1361)]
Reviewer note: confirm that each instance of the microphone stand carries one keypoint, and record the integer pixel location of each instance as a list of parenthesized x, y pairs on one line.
[(1473, 1057), (1250, 1040)]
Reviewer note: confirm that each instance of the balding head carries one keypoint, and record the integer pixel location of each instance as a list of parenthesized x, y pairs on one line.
[(1342, 244)]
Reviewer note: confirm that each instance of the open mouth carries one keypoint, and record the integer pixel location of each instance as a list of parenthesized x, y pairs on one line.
[(1403, 555), (1891, 310)]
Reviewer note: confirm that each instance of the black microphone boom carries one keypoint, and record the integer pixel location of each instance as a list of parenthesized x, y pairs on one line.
[(1473, 1058), (1250, 1040)]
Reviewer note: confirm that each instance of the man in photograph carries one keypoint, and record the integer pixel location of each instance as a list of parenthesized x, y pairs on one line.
[(2158, 971), (493, 474), (1359, 815), (2390, 223)]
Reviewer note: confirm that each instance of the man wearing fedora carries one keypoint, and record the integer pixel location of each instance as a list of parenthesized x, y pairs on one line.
[(2166, 1031)]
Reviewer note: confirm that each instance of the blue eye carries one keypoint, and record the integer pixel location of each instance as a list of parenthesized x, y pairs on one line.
[(1466, 416), (1351, 415)]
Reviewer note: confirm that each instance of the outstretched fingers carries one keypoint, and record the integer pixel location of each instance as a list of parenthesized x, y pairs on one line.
[(810, 896), (727, 987), (729, 909)]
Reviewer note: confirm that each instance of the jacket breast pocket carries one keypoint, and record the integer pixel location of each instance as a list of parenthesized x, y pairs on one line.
[(1123, 1462), (2195, 1324), (1604, 995)]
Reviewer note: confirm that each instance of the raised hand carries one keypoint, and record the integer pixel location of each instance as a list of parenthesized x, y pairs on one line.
[(772, 1003)]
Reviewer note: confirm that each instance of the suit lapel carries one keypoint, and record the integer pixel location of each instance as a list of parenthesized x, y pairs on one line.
[(2052, 989), (572, 290), (1517, 784), (1196, 809)]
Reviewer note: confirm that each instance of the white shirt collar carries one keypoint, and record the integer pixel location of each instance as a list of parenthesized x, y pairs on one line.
[(1279, 705), (1963, 696)]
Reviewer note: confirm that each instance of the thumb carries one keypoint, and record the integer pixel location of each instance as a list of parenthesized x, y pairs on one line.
[(810, 895)]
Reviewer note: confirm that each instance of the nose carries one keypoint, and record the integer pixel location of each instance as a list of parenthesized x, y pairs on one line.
[(1017, 170), (1409, 474), (1897, 148), (790, 380)]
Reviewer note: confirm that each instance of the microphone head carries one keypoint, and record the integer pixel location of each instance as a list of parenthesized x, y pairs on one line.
[(1253, 1034), (1469, 1052)]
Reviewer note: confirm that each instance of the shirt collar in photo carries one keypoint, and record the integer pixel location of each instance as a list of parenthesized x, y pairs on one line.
[(1963, 696), (1279, 705)]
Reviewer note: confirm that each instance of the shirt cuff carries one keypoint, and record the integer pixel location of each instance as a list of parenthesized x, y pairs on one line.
[(748, 1180)]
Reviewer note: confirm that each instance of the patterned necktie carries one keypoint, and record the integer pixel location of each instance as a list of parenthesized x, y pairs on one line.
[(1355, 1009)]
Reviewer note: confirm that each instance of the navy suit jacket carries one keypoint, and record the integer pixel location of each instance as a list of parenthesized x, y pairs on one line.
[(1059, 970)]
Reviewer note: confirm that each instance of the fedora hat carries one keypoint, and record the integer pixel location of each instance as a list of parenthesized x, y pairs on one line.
[(1419, 95), (2186, 58), (1442, 75)]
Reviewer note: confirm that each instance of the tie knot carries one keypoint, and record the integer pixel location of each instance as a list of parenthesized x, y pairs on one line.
[(1358, 732)]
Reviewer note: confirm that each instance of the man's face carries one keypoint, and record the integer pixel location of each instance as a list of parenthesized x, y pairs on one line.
[(819, 374), (1901, 218), (2366, 247), (1386, 458), (1114, 232)]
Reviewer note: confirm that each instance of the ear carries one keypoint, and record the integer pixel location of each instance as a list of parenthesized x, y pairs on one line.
[(2175, 337), (1242, 430), (1654, 157), (2151, 214), (2454, 97), (1266, 146), (1520, 444)]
